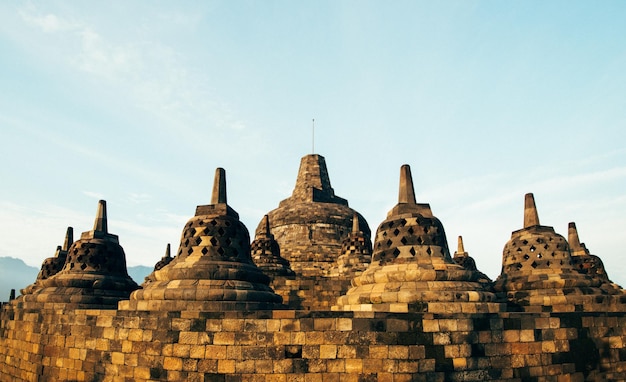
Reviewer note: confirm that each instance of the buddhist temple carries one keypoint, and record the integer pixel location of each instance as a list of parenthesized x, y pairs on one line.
[(310, 299)]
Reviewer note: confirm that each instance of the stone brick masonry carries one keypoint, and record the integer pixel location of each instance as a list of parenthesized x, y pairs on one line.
[(411, 313)]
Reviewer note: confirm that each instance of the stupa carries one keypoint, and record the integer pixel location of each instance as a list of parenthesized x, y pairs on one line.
[(52, 265), (356, 253), (538, 274), (94, 273), (412, 270), (266, 253), (213, 270), (311, 225)]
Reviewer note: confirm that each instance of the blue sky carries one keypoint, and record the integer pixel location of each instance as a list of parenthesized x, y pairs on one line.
[(138, 103)]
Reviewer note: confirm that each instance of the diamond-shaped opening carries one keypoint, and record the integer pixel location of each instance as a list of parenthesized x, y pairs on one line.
[(227, 223), (220, 250), (206, 230), (189, 250), (198, 240), (426, 228), (539, 240), (204, 250), (553, 254), (228, 242), (192, 231), (213, 222), (403, 240), (411, 231), (403, 222), (546, 246), (532, 248), (526, 257), (539, 255), (390, 224), (221, 231), (429, 251), (396, 252), (396, 232), (83, 266), (518, 266), (519, 249), (214, 241), (420, 241), (389, 242), (534, 264), (548, 263), (524, 241)]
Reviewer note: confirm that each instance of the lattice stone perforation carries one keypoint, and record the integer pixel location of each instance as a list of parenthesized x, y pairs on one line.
[(221, 238), (96, 255)]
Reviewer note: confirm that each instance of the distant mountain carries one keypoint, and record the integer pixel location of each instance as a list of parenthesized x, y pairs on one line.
[(139, 273), (15, 274)]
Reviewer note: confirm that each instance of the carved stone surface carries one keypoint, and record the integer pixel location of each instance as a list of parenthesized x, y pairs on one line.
[(213, 269), (411, 267)]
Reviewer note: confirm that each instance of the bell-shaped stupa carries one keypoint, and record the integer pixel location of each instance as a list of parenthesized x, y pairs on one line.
[(94, 273), (311, 225), (266, 253), (213, 270), (356, 253), (52, 265), (411, 267), (463, 258), (538, 274)]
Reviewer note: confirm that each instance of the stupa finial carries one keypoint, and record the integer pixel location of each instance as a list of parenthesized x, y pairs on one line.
[(460, 248), (266, 220), (100, 225), (572, 235), (355, 223), (531, 218), (69, 238), (167, 251), (407, 192), (219, 187)]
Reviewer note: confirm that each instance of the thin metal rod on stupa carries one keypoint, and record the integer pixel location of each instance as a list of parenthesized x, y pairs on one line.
[(101, 224), (406, 193), (313, 137), (219, 187), (69, 238), (572, 236), (531, 218)]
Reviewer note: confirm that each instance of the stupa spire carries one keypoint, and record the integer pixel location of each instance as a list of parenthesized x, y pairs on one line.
[(100, 224), (355, 223), (531, 218), (572, 236), (219, 187), (407, 192), (69, 238), (460, 248)]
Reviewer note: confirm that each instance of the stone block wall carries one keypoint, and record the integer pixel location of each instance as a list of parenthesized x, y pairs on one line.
[(45, 344)]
